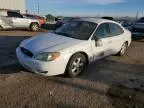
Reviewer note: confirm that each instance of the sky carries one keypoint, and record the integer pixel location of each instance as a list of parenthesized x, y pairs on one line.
[(91, 8)]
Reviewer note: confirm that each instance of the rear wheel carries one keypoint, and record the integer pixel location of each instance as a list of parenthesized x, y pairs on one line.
[(76, 65), (123, 49), (34, 27)]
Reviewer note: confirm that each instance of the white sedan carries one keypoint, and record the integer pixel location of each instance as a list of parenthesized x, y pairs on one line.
[(70, 48)]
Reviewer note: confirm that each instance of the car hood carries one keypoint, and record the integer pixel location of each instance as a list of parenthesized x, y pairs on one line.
[(48, 42)]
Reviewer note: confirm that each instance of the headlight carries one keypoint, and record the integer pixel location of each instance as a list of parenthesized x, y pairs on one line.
[(47, 56)]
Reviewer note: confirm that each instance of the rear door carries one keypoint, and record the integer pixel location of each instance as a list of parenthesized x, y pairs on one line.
[(5, 20), (116, 37)]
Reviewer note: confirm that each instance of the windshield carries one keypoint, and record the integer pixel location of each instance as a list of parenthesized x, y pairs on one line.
[(81, 30)]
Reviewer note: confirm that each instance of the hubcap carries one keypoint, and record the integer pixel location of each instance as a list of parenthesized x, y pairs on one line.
[(77, 66), (123, 49), (35, 27)]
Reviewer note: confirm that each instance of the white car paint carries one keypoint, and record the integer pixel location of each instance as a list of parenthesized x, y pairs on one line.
[(67, 47), (14, 22)]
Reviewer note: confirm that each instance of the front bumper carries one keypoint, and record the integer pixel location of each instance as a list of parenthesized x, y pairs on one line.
[(50, 68)]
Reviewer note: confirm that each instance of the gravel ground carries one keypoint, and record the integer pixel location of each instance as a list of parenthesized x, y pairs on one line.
[(114, 82)]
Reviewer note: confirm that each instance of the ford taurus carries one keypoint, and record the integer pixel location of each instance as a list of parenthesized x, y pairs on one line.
[(70, 48)]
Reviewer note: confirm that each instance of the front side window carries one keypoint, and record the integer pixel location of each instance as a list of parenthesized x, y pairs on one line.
[(102, 31), (81, 30), (115, 29)]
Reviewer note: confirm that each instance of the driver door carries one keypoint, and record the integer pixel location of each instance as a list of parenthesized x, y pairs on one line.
[(101, 42)]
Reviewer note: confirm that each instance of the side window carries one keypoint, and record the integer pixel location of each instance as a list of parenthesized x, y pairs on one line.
[(102, 31), (115, 29), (14, 14)]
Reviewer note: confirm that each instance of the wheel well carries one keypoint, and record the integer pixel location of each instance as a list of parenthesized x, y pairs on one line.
[(83, 53), (126, 42)]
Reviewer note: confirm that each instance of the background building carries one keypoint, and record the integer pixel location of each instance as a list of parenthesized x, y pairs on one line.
[(17, 5)]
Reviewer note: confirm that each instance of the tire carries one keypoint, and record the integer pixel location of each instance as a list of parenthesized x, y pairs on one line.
[(76, 65), (123, 49), (34, 27)]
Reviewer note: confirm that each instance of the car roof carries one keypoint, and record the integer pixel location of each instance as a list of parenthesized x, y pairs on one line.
[(96, 20)]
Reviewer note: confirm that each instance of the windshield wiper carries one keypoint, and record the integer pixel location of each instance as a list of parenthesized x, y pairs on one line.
[(62, 33)]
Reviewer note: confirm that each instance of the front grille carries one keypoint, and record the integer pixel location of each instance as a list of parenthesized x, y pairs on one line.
[(26, 52)]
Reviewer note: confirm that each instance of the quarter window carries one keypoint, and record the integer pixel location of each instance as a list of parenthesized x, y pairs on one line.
[(115, 29)]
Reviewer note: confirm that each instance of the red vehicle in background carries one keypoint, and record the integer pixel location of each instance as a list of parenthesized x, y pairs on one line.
[(39, 18)]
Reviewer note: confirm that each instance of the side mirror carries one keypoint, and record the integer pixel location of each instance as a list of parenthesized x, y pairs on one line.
[(98, 42), (95, 38)]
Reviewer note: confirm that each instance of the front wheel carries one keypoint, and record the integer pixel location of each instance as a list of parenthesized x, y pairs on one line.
[(34, 27), (123, 49), (76, 65)]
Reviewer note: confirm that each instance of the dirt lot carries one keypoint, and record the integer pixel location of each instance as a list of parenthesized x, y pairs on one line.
[(114, 82)]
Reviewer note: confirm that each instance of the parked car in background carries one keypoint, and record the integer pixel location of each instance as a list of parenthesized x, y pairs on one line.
[(14, 20), (70, 48), (127, 24), (41, 20), (64, 20), (138, 26)]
